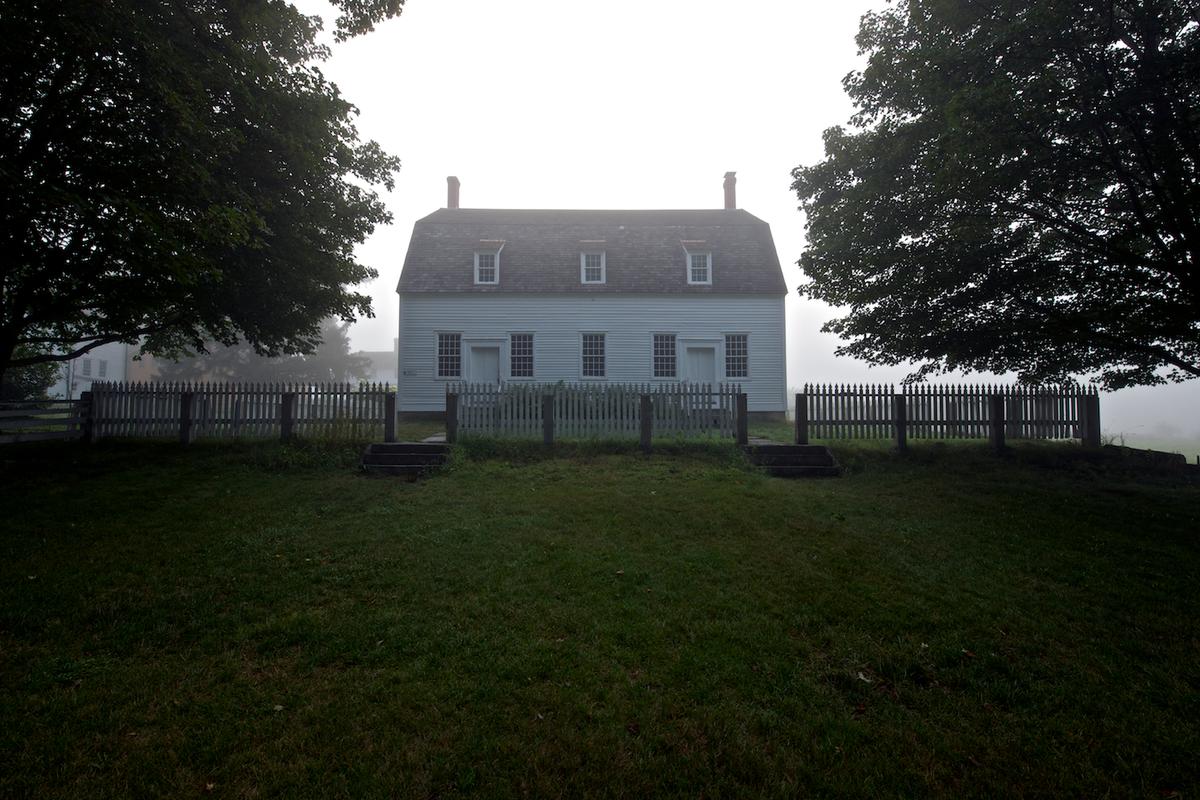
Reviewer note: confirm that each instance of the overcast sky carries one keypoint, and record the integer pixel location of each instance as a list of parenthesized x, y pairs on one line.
[(626, 104)]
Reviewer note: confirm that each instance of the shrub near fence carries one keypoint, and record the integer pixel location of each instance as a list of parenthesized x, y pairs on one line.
[(241, 410), (834, 411), (593, 410)]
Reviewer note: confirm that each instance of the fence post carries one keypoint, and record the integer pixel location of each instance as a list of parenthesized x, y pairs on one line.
[(646, 417), (743, 423), (287, 415), (451, 417), (802, 419), (900, 412), (389, 417), (1090, 424), (88, 433), (547, 419), (185, 417), (996, 421)]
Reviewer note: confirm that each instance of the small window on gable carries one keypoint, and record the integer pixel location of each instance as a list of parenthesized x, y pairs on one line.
[(487, 266), (592, 267), (699, 267)]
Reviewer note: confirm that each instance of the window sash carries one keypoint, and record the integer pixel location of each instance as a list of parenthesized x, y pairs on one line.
[(485, 268), (520, 355), (699, 268), (737, 355), (592, 351), (593, 267), (449, 355), (664, 355)]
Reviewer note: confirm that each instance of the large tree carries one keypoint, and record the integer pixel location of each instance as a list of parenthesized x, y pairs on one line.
[(1018, 190), (178, 171), (331, 360)]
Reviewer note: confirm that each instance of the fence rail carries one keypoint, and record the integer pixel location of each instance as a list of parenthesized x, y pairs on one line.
[(42, 420), (590, 410), (843, 411), (241, 410)]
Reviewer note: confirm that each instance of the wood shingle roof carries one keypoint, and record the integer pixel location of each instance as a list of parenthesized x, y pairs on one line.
[(644, 251)]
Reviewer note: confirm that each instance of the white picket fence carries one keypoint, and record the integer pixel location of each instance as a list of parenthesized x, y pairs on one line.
[(596, 410), (855, 411), (238, 410)]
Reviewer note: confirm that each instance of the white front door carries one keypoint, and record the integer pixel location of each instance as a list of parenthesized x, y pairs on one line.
[(701, 364), (484, 365)]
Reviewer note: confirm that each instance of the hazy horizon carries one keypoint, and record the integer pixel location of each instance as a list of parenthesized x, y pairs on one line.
[(544, 104)]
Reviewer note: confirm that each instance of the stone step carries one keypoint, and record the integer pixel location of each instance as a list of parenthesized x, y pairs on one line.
[(407, 447), (408, 470), (805, 472), (824, 459), (789, 449), (433, 459)]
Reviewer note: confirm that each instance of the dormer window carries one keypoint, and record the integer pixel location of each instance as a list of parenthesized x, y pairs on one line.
[(592, 267), (487, 266), (700, 268)]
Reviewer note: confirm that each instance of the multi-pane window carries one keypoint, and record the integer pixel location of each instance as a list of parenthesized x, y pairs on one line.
[(485, 268), (593, 355), (698, 268), (664, 355), (103, 372), (737, 355), (593, 267), (449, 355), (87, 368), (520, 355)]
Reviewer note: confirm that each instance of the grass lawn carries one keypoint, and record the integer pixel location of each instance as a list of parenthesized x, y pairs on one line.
[(262, 621)]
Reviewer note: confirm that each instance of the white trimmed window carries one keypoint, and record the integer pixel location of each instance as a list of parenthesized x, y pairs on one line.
[(449, 355), (520, 355), (737, 355), (699, 267), (103, 371), (87, 368), (487, 266), (664, 355), (592, 267), (593, 355)]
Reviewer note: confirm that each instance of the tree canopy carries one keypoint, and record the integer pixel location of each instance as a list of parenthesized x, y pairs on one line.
[(178, 171), (331, 360), (1017, 191)]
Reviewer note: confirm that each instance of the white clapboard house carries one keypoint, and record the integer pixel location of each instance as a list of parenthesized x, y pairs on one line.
[(499, 296)]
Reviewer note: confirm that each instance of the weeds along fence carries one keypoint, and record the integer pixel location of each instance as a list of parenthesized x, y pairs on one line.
[(42, 420), (566, 410), (241, 410), (841, 411)]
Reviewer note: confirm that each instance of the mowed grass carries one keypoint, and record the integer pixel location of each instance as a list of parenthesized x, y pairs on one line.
[(262, 621)]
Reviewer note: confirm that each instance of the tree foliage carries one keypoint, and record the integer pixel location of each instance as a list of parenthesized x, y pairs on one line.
[(178, 170), (1018, 191), (331, 360), (28, 383)]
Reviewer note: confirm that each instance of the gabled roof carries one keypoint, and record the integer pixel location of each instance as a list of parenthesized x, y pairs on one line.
[(644, 251)]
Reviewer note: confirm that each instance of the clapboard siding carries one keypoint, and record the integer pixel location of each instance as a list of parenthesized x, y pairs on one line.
[(557, 322)]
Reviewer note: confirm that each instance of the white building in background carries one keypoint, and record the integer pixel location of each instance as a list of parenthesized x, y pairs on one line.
[(504, 296), (108, 362)]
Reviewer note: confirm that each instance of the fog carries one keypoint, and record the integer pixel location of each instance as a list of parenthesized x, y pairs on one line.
[(559, 104)]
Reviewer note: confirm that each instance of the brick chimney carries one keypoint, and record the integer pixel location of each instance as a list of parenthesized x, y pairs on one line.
[(730, 191), (452, 191)]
